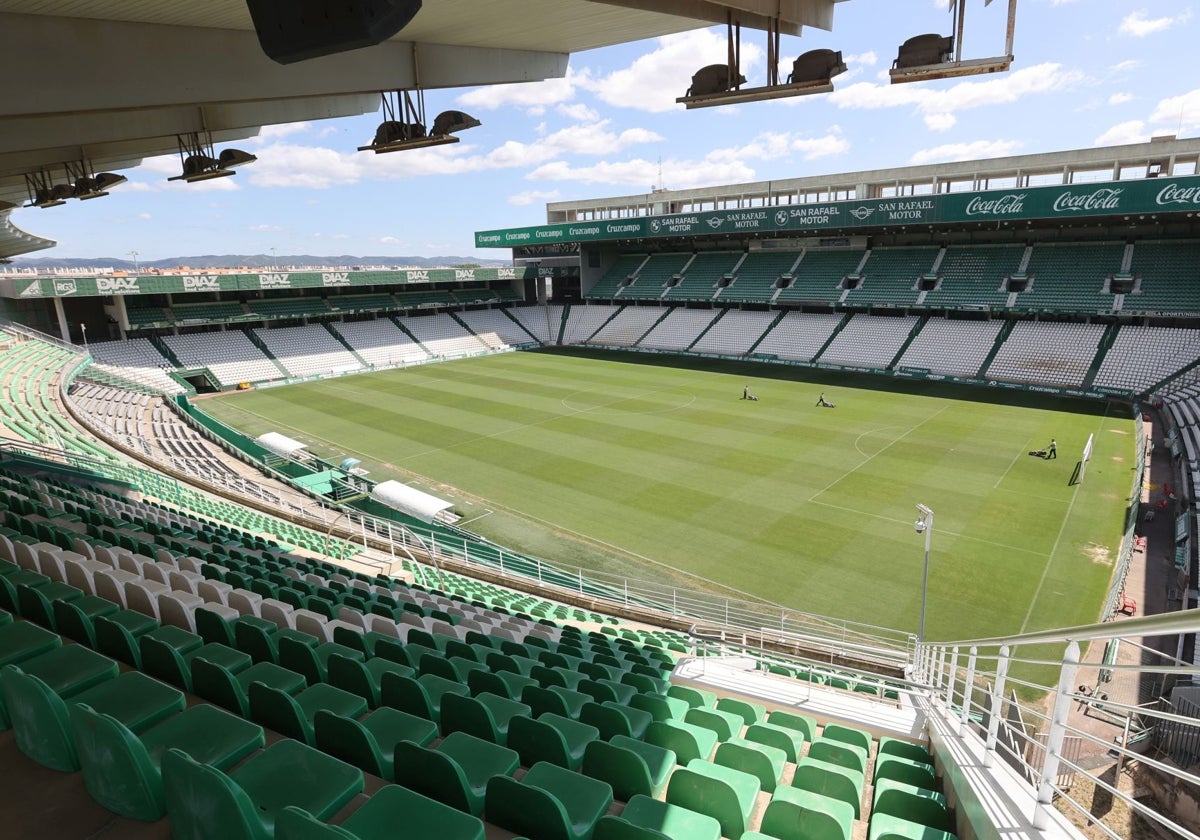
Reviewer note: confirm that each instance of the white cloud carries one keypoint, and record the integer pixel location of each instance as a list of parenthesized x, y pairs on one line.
[(655, 79), (1126, 65), (940, 122), (643, 174), (1179, 112), (812, 148), (144, 216), (389, 240), (1139, 24), (1130, 131), (310, 167), (527, 95), (265, 229), (937, 106), (274, 132), (528, 197), (225, 184), (596, 139), (578, 112), (1120, 98), (977, 150), (866, 59)]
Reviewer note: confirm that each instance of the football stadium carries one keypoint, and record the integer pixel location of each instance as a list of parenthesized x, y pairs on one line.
[(856, 506)]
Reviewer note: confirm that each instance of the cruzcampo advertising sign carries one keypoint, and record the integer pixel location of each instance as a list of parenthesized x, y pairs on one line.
[(1071, 201)]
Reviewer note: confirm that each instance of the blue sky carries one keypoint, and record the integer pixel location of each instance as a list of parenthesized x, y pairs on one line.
[(1087, 73)]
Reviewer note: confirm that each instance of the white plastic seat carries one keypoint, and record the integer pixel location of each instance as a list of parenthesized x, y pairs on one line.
[(185, 581), (142, 596), (27, 556), (278, 613), (245, 601), (337, 622), (83, 547), (214, 591), (349, 615), (384, 625), (157, 571), (312, 623), (110, 584), (179, 609)]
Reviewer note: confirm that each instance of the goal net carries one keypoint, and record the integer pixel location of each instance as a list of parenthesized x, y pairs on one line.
[(1087, 453)]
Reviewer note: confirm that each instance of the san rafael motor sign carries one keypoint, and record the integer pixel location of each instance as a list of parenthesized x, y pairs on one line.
[(1073, 201)]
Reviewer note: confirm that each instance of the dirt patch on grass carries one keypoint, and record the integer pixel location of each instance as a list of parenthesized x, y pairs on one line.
[(1101, 555)]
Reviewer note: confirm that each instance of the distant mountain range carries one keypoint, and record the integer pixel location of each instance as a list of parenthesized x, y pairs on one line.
[(257, 261)]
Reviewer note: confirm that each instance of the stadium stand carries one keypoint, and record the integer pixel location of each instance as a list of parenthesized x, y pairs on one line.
[(756, 277), (629, 325), (954, 348), (799, 336), (655, 273), (543, 322), (1048, 353), (230, 355), (381, 342), (210, 312), (891, 276), (304, 351), (734, 333), (818, 277), (270, 309), (869, 342), (1164, 278), (1142, 356), (137, 360), (610, 285), (495, 329), (974, 276), (442, 336), (583, 322), (1070, 277), (362, 303), (704, 272), (680, 329)]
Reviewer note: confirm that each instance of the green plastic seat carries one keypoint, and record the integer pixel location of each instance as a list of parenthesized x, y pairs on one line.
[(313, 662), (831, 780), (293, 716), (840, 753), (222, 686), (750, 713), (364, 678), (661, 708), (456, 773), (631, 767), (117, 635), (553, 738), (848, 735), (370, 743), (123, 770), (204, 802), (686, 740), (898, 769), (485, 716), (671, 820), (887, 827), (213, 627), (792, 720), (725, 794), (549, 803), (41, 718), (606, 689), (35, 603), (423, 696), (548, 676), (75, 619), (694, 697), (645, 683), (904, 749), (167, 663), (796, 814), (763, 762), (504, 683), (725, 724), (791, 741), (21, 640), (614, 719), (421, 817), (65, 671), (927, 808)]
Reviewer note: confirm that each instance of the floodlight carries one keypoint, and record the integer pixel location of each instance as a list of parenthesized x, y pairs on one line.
[(404, 124), (202, 163), (87, 188), (817, 66), (921, 50), (229, 158), (715, 78), (449, 122), (297, 30)]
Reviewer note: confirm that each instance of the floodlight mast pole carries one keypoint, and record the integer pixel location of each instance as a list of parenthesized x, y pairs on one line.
[(925, 523)]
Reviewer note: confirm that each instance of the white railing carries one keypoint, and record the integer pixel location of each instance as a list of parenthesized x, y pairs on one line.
[(1085, 716)]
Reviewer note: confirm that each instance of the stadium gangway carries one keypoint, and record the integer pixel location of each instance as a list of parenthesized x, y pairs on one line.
[(987, 702)]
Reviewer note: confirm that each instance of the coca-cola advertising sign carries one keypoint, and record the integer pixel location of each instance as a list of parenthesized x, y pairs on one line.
[(1106, 198), (1175, 194), (1010, 204)]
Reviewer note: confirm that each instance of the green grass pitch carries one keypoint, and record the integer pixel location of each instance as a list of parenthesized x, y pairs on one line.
[(654, 467)]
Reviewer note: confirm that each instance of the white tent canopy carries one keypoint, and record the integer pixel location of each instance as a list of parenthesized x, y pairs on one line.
[(409, 500), (281, 445)]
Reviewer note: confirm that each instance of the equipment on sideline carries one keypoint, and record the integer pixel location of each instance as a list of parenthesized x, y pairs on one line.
[(1087, 454)]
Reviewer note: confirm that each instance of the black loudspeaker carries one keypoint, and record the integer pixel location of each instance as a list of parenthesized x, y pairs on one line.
[(297, 30)]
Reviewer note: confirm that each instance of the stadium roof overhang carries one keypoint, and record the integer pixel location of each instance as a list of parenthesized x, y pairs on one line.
[(409, 500), (119, 82)]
